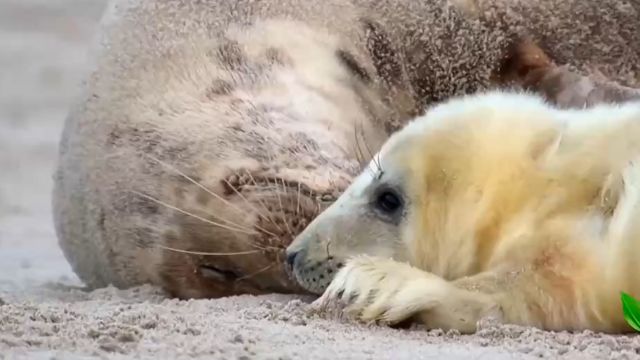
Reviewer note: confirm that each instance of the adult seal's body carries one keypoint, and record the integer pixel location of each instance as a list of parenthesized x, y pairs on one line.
[(209, 133), (205, 145)]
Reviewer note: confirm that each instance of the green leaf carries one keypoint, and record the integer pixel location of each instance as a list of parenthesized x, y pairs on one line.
[(631, 310)]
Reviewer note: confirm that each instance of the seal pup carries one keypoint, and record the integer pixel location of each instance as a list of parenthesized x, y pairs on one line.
[(490, 204)]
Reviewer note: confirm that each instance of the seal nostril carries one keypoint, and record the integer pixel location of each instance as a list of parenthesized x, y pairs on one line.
[(291, 259)]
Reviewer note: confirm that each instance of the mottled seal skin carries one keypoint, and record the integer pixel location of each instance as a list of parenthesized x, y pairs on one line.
[(209, 133)]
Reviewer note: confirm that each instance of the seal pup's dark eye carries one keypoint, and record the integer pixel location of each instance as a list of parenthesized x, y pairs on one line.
[(388, 201)]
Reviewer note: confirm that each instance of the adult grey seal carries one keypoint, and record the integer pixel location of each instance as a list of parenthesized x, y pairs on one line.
[(209, 133)]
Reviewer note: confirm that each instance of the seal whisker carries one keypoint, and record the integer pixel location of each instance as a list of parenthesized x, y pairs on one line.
[(298, 200), (266, 248), (286, 219), (318, 202), (170, 167), (264, 207), (266, 268), (204, 253), (260, 201), (160, 202), (363, 162), (374, 157), (358, 151), (327, 249), (286, 223), (190, 179), (250, 205)]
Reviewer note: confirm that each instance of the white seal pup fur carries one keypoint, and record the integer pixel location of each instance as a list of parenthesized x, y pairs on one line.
[(492, 204)]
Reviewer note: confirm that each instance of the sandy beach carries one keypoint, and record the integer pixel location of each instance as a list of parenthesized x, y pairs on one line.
[(46, 314)]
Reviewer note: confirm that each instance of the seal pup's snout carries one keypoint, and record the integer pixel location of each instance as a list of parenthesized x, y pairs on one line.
[(309, 264)]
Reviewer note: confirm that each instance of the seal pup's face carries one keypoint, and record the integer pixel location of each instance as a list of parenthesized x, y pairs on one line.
[(367, 218), (438, 190)]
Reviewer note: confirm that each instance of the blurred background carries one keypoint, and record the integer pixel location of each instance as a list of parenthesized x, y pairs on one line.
[(43, 45)]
